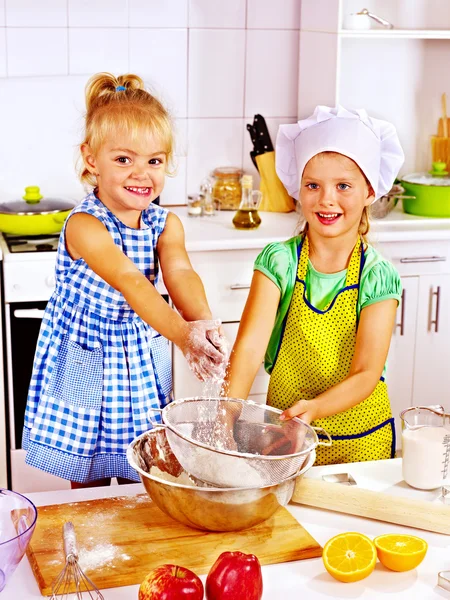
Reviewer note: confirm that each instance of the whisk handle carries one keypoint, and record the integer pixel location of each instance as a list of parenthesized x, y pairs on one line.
[(70, 540)]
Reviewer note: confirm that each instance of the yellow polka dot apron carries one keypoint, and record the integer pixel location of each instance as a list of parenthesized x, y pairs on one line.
[(315, 353)]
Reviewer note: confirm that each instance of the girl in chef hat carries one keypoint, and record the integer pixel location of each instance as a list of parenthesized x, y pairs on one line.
[(322, 305), (103, 357)]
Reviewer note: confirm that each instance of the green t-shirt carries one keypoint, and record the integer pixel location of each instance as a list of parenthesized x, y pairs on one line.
[(279, 261)]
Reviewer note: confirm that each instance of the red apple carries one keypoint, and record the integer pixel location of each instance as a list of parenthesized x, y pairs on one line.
[(235, 576), (169, 582)]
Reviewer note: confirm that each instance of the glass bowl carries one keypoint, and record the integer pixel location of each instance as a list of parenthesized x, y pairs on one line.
[(18, 517)]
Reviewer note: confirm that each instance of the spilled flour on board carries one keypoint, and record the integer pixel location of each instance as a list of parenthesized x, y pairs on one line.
[(101, 556)]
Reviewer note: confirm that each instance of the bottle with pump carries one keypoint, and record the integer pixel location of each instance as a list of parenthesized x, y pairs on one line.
[(247, 216)]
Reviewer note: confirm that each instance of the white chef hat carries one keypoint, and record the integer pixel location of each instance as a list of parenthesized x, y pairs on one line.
[(372, 143)]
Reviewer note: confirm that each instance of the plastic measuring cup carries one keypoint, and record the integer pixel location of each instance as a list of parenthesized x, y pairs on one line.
[(426, 447)]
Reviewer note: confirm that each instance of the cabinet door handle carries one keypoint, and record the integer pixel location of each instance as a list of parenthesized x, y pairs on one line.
[(402, 314), (422, 259), (435, 321), (29, 313), (240, 286)]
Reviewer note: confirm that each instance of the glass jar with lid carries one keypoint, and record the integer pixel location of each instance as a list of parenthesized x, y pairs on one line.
[(227, 190)]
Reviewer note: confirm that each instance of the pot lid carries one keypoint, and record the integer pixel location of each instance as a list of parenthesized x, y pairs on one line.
[(426, 179), (34, 203)]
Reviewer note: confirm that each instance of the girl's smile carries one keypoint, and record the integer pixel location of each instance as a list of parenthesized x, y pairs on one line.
[(328, 218), (130, 173), (143, 192)]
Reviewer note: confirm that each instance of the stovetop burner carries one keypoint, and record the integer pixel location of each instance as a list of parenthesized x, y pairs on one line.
[(31, 243)]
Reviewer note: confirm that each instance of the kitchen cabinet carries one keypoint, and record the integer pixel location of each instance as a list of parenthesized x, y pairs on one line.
[(419, 357), (432, 354), (394, 74), (400, 363)]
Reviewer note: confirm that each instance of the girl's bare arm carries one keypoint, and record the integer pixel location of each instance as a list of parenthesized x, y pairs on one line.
[(182, 282), (88, 238), (253, 336)]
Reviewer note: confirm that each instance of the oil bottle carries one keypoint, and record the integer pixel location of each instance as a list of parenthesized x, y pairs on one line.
[(247, 216)]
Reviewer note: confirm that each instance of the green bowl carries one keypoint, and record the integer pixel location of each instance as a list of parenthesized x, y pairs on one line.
[(430, 200)]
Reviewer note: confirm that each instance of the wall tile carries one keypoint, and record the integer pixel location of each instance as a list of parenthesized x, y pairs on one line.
[(2, 52), (2, 13), (272, 125), (45, 134), (169, 13), (216, 72), (174, 191), (271, 73), (159, 56), (101, 13), (216, 13), (30, 13), (212, 143), (92, 50), (267, 14), (181, 133), (40, 51)]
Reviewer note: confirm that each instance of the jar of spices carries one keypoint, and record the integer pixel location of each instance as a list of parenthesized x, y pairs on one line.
[(227, 190)]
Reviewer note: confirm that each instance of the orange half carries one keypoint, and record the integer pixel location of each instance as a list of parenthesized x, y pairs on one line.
[(400, 552), (349, 557)]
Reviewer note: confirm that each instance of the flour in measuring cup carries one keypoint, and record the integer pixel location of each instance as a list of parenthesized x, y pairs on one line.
[(423, 453)]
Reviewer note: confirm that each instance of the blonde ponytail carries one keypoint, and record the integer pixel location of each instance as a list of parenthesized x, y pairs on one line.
[(122, 103)]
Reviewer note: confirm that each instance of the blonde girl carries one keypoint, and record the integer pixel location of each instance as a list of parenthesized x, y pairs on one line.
[(103, 356), (322, 305)]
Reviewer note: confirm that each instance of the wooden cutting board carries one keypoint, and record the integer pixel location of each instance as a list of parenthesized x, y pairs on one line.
[(121, 539)]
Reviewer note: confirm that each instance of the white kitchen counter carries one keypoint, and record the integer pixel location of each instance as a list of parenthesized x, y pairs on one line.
[(218, 233), (306, 579)]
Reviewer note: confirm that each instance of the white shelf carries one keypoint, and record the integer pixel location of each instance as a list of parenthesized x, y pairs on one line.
[(412, 34)]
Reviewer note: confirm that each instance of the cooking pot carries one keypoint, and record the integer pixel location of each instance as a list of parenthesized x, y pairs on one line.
[(34, 215), (431, 195)]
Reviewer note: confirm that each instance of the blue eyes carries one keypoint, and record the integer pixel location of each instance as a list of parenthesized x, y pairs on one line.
[(340, 186)]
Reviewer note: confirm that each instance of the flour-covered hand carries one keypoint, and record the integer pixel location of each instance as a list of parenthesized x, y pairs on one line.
[(204, 359), (218, 339)]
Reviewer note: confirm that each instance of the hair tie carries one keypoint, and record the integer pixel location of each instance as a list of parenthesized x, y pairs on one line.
[(120, 88)]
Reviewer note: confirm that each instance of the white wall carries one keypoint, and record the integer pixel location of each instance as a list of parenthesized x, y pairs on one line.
[(214, 63)]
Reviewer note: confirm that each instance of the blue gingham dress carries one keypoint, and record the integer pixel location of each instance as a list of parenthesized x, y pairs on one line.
[(98, 366)]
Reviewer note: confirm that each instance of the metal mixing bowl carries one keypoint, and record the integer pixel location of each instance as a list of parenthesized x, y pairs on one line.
[(193, 504)]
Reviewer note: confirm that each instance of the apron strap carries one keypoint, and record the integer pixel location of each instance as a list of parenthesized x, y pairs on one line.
[(355, 266)]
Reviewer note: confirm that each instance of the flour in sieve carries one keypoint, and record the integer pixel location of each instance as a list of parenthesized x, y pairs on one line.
[(223, 470)]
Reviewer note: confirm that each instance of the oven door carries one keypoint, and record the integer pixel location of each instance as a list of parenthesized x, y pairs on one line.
[(23, 322)]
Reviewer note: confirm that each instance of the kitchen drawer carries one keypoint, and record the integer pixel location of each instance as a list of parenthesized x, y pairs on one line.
[(185, 384), (418, 258), (28, 281), (226, 276)]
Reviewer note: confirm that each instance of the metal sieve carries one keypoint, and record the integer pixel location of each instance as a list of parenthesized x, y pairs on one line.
[(228, 442)]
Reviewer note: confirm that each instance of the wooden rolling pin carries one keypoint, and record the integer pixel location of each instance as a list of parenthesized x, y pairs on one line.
[(351, 500)]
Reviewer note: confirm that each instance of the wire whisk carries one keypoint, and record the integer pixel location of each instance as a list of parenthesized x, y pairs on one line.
[(72, 582)]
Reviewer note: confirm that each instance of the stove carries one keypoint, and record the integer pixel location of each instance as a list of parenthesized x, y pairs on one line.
[(35, 243)]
